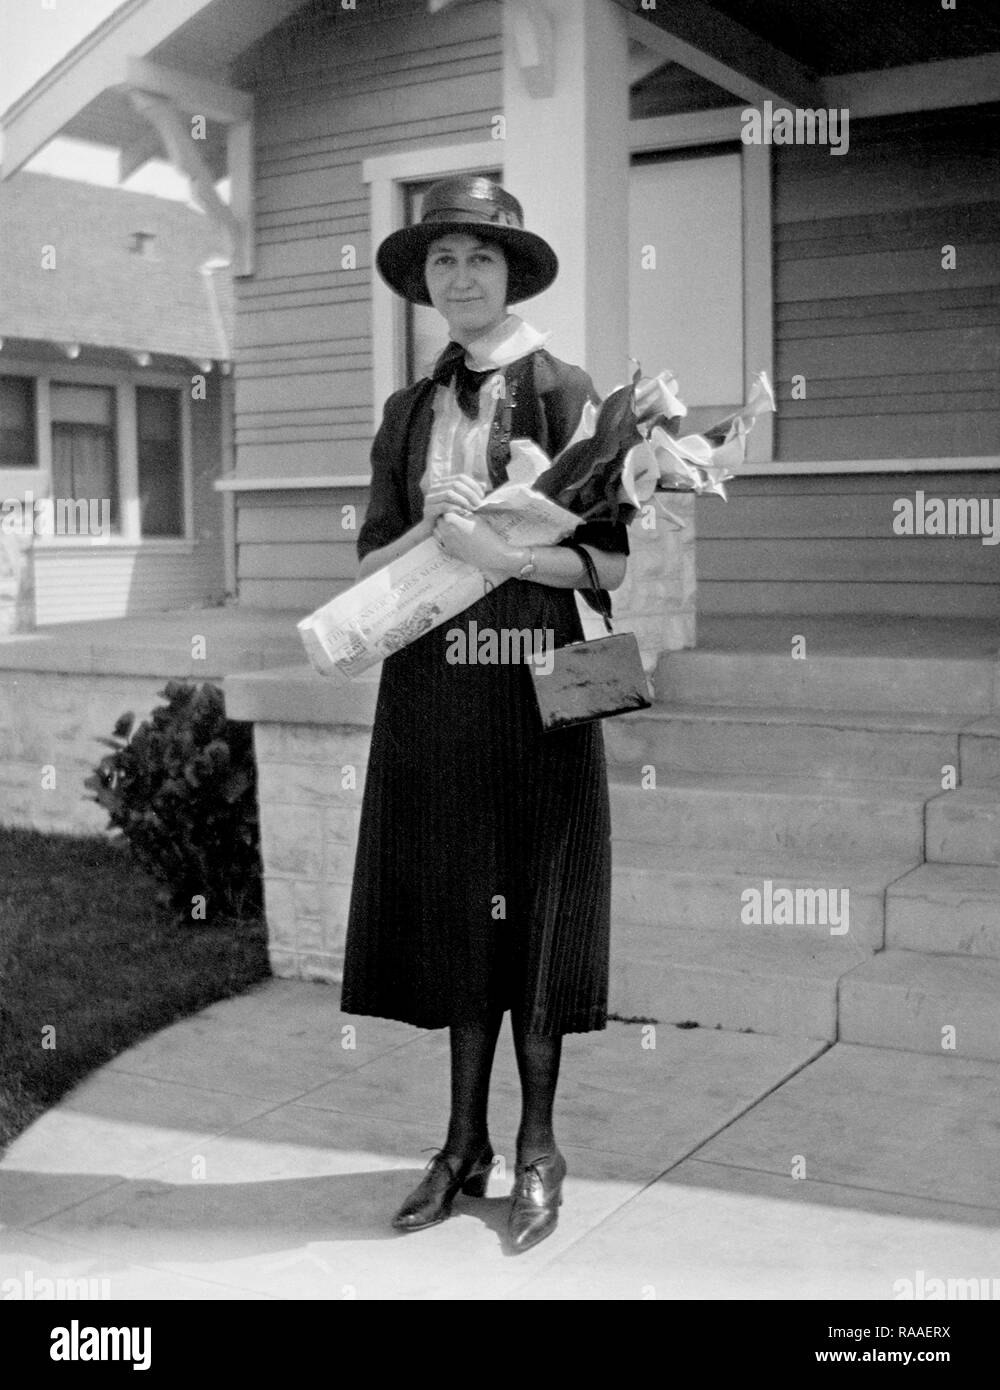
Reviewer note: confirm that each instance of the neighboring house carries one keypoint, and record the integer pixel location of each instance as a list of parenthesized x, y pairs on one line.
[(825, 268), (116, 320)]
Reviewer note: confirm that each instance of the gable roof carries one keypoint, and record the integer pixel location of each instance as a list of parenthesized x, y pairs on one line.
[(101, 291)]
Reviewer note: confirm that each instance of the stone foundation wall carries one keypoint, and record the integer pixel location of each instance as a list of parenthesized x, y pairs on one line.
[(657, 599), (49, 727), (310, 780)]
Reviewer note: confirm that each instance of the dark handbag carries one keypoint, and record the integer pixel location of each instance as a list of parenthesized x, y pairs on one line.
[(592, 679)]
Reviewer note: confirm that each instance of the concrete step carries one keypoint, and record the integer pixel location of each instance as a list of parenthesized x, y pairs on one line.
[(979, 751), (831, 681), (769, 817), (787, 741), (948, 1005), (784, 897), (743, 979), (963, 826), (952, 909)]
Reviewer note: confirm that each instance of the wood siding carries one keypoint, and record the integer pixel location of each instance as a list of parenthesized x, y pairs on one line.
[(357, 86), (297, 549), (825, 544), (900, 359), (900, 356)]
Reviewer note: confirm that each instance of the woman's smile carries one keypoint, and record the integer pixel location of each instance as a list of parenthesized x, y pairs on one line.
[(467, 284)]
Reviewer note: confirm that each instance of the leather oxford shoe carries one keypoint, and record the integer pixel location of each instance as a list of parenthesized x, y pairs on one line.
[(430, 1202), (535, 1200)]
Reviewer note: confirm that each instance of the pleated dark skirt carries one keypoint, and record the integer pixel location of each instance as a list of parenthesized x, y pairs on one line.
[(483, 872)]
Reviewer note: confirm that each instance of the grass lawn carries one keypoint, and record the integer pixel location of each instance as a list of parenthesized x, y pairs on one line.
[(86, 951)]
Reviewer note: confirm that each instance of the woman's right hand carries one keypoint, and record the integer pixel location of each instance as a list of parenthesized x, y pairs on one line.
[(458, 493)]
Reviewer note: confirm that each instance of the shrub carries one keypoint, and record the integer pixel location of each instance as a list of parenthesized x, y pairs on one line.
[(182, 790)]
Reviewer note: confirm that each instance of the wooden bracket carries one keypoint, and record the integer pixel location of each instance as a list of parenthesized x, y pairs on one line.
[(168, 99)]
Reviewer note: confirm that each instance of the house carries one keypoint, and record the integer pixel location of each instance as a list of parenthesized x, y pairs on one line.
[(811, 191), (116, 323), (620, 126)]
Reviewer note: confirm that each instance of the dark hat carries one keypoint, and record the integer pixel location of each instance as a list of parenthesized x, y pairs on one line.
[(473, 206)]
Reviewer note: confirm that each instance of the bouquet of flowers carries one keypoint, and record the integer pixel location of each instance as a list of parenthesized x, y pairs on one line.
[(628, 448)]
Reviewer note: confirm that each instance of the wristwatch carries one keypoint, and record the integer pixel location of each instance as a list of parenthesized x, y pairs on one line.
[(529, 567)]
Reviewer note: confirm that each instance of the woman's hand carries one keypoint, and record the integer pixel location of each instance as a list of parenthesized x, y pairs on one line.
[(459, 493), (470, 539)]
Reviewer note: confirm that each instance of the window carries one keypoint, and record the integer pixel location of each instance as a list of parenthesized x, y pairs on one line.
[(84, 446), (686, 308), (426, 332), (161, 495), (17, 422)]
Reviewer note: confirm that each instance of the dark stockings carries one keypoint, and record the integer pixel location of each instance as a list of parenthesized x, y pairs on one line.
[(472, 1051), (538, 1059)]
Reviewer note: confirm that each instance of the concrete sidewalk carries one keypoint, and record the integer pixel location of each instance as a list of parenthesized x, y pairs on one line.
[(250, 1152)]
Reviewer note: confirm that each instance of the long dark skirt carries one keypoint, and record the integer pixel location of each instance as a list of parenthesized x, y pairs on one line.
[(483, 872)]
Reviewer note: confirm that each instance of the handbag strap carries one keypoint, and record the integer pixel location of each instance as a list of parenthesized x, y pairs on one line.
[(604, 607)]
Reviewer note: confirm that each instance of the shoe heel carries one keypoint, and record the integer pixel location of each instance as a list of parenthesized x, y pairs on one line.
[(476, 1184)]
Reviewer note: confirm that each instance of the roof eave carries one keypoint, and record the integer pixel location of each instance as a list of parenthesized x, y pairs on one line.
[(100, 63)]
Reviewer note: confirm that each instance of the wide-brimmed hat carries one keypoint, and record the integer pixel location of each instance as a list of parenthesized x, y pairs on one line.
[(473, 206)]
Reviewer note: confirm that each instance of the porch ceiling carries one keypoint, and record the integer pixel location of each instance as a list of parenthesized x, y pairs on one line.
[(830, 37), (837, 36)]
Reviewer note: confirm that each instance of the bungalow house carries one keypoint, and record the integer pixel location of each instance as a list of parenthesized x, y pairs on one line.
[(116, 323), (811, 191)]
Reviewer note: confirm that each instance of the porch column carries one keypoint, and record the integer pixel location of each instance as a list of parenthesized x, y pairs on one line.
[(17, 581), (566, 157), (565, 104)]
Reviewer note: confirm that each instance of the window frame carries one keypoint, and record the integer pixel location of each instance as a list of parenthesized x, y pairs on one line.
[(126, 428), (666, 134), (387, 177)]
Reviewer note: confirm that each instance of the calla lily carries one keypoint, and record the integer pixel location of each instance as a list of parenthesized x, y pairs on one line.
[(640, 475), (658, 396), (761, 398)]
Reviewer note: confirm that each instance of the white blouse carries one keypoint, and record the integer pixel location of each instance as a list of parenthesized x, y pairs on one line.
[(458, 444)]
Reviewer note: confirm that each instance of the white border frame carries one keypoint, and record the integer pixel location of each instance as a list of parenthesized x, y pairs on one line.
[(128, 467)]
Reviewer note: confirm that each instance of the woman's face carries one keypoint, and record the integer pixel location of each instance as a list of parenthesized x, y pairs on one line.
[(467, 283)]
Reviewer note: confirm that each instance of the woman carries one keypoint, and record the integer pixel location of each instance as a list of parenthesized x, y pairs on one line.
[(483, 871)]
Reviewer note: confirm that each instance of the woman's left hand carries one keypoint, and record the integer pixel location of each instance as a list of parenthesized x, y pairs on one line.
[(473, 540)]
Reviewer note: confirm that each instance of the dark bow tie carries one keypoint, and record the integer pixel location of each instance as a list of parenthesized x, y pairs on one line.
[(451, 364)]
